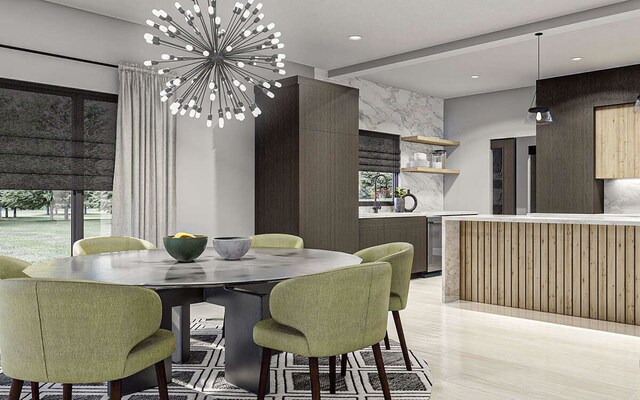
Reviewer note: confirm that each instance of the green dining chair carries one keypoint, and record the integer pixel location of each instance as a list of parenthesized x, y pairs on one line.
[(110, 244), (277, 240), (11, 268), (325, 315), (400, 256), (79, 332)]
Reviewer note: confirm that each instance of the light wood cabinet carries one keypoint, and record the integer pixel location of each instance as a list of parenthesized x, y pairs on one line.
[(588, 271), (617, 142)]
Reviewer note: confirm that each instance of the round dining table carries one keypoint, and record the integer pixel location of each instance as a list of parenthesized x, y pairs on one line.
[(241, 286)]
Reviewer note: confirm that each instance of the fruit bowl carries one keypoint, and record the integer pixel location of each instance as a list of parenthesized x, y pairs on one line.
[(185, 247), (232, 248)]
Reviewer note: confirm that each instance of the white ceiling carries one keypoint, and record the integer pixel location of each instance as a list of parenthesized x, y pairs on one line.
[(514, 65), (315, 33)]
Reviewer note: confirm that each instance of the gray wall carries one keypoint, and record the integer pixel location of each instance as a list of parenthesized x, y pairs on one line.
[(474, 121), (215, 168)]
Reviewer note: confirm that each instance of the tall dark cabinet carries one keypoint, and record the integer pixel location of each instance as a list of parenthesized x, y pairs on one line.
[(307, 163)]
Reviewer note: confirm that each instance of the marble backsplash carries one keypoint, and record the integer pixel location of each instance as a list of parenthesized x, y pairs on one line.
[(391, 110), (622, 196)]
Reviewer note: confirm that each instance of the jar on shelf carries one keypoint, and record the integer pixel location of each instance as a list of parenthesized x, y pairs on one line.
[(438, 158)]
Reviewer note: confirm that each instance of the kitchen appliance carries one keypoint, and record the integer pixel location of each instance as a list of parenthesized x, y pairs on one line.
[(434, 244)]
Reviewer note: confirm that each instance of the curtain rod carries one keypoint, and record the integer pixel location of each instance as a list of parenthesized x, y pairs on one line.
[(44, 53)]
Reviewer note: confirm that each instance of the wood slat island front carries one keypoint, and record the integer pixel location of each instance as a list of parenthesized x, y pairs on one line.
[(572, 267)]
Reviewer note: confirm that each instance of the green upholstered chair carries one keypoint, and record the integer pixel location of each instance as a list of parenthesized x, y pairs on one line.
[(277, 240), (79, 332), (11, 268), (400, 256), (325, 315), (110, 244)]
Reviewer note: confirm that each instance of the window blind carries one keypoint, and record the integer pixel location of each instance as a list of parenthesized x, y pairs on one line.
[(379, 152), (56, 138)]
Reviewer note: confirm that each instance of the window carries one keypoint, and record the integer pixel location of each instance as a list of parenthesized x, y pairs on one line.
[(386, 185), (57, 150), (379, 159)]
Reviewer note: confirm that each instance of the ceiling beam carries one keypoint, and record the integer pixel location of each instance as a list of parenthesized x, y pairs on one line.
[(597, 16)]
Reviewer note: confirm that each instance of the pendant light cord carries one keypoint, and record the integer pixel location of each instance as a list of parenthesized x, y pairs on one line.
[(535, 95), (539, 56)]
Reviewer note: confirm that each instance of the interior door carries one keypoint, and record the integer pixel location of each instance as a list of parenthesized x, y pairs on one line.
[(503, 166)]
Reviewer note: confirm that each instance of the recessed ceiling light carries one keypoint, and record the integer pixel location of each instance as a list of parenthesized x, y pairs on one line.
[(577, 59), (355, 37), (475, 76)]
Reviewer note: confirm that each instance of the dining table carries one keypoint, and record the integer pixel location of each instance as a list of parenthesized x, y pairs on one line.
[(241, 286)]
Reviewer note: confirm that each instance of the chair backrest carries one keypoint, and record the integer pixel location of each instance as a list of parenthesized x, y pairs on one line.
[(11, 268), (277, 240), (109, 244), (338, 311), (400, 256), (72, 332)]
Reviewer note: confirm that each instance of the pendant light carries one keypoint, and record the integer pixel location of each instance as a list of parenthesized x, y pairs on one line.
[(636, 109), (538, 115)]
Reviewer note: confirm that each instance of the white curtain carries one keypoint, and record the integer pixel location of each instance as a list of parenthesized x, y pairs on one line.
[(144, 199)]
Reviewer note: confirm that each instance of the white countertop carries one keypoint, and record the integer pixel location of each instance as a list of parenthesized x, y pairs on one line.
[(583, 219), (429, 214)]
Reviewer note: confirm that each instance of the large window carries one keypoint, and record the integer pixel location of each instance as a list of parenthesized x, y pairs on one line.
[(57, 149), (379, 160)]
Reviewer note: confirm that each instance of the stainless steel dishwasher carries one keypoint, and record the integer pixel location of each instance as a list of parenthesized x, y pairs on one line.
[(434, 244)]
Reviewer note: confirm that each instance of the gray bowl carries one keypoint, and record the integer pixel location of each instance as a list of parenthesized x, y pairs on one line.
[(232, 248)]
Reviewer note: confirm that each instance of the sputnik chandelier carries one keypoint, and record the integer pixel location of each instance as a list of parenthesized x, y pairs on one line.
[(217, 60)]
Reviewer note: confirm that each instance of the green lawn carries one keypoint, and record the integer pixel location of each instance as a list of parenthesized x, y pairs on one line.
[(34, 237)]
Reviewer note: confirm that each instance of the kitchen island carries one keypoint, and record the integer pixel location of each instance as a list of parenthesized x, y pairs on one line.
[(581, 265)]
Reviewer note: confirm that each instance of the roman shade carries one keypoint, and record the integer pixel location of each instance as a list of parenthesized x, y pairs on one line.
[(379, 152), (56, 138)]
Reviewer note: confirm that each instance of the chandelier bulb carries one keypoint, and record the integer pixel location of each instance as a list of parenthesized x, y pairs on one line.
[(209, 121)]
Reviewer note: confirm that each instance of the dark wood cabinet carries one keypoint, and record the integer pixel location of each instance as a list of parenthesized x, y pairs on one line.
[(307, 163), (412, 230)]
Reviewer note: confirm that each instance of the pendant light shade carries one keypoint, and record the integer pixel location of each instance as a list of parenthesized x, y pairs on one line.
[(537, 114), (636, 109)]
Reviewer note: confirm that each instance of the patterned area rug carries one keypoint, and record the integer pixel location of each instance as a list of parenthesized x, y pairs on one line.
[(203, 377)]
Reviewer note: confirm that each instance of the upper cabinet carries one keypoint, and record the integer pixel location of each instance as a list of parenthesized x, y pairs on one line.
[(617, 142)]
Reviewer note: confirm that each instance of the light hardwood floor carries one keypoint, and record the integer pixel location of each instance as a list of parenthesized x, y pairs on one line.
[(479, 351)]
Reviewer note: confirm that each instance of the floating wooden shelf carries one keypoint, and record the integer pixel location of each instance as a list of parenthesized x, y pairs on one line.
[(430, 140), (424, 170)]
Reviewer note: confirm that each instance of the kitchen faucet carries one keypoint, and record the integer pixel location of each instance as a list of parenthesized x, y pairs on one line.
[(376, 206)]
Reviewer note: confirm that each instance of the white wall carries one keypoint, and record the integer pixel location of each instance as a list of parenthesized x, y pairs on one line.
[(215, 168), (474, 121)]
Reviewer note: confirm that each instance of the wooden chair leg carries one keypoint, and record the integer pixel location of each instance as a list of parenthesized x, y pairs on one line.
[(387, 345), (115, 390), (264, 373), (66, 391), (161, 376), (403, 342), (332, 374), (16, 389), (315, 378), (377, 353), (35, 391), (343, 365)]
